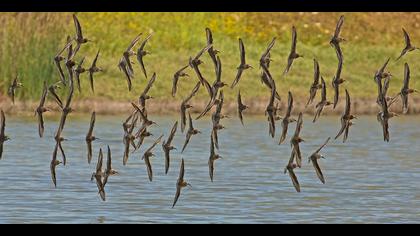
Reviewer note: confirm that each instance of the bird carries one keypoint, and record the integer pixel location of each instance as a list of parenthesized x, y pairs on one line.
[(243, 66), (68, 61), (381, 73), (287, 119), (180, 183), (265, 57), (109, 171), (146, 157), (54, 163), (336, 39), (211, 51), (185, 106), (408, 46), (191, 131), (41, 109), (3, 136), (129, 138), (57, 61), (379, 76), (77, 71), (293, 54), (79, 35), (98, 176), (266, 76), (128, 53), (90, 137), (213, 157), (270, 110), (167, 146), (53, 92), (216, 117), (144, 95), (93, 69), (384, 116), (241, 107), (337, 80), (296, 140), (12, 89), (141, 53), (123, 66), (290, 168), (315, 85), (406, 90), (314, 157), (179, 74), (194, 62), (346, 119), (145, 121), (323, 103)]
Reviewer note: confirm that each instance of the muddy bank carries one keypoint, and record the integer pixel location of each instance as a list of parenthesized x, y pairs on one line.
[(170, 106)]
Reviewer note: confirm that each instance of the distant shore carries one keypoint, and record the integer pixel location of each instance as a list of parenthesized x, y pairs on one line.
[(168, 107)]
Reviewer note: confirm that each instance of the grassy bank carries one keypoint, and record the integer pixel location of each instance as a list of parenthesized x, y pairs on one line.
[(30, 40)]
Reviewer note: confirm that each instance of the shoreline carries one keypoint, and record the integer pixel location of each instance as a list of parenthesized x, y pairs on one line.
[(360, 106)]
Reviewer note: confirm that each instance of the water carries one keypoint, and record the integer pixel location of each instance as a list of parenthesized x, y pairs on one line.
[(367, 180)]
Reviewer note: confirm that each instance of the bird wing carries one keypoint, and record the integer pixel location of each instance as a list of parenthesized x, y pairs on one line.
[(143, 44), (92, 124), (294, 179), (99, 163), (316, 72), (134, 42), (149, 84), (323, 145), (154, 143), (289, 104), (406, 76), (40, 124), (294, 39), (242, 51), (3, 123), (172, 134), (89, 151), (238, 77), (406, 38), (318, 170), (270, 46), (348, 104), (338, 27), (324, 90), (299, 125), (78, 27)]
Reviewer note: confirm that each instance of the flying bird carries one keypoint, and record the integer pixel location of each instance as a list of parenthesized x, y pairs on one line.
[(90, 137), (167, 146), (241, 107), (3, 136), (144, 96), (314, 159), (315, 85), (296, 140), (52, 89), (185, 105), (191, 131), (287, 118), (109, 171), (179, 74), (323, 103), (293, 54), (12, 89), (146, 157), (290, 168), (93, 69), (54, 163), (336, 39), (213, 157), (79, 35), (243, 66), (180, 183), (77, 71), (123, 66), (337, 80), (41, 109), (98, 176), (141, 53), (128, 53), (408, 46), (406, 90), (346, 119)]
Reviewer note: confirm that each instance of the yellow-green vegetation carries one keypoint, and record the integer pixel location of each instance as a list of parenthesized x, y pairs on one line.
[(29, 42)]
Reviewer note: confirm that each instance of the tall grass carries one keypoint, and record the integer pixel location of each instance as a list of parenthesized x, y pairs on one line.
[(29, 41)]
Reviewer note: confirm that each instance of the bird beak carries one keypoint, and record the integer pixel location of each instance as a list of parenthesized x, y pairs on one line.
[(189, 185)]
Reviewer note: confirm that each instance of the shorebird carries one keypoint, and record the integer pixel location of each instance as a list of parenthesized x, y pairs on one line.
[(79, 35), (191, 131), (127, 54), (243, 66), (109, 171), (167, 146), (213, 157), (54, 163), (216, 117), (290, 168), (293, 54), (12, 89), (41, 109), (287, 119), (337, 80), (77, 71), (123, 66), (141, 53), (296, 140), (314, 157), (185, 105), (129, 138), (336, 39), (98, 175), (58, 58), (315, 85), (180, 183), (146, 157), (241, 107), (195, 62), (384, 116), (90, 137), (408, 46), (144, 96), (179, 74), (323, 103), (93, 69), (406, 90), (52, 91), (3, 136), (346, 119)]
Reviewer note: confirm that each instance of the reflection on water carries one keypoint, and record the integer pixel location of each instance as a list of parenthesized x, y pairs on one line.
[(367, 180)]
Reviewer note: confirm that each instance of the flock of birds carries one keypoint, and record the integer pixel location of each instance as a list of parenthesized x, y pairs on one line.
[(133, 139)]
